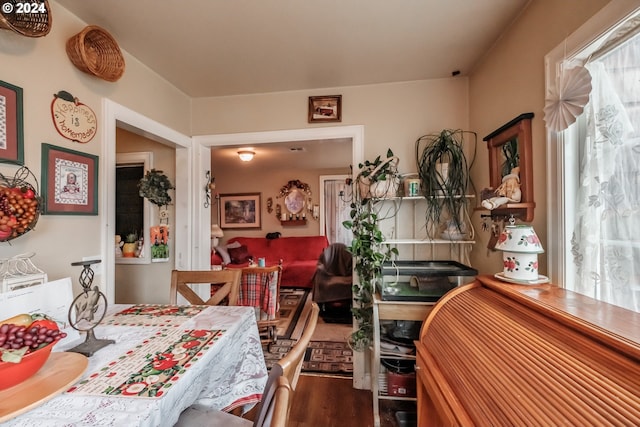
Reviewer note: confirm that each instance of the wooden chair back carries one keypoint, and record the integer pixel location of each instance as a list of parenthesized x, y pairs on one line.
[(291, 363), (228, 279)]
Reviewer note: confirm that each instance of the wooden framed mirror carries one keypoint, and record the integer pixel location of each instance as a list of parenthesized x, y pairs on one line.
[(510, 146)]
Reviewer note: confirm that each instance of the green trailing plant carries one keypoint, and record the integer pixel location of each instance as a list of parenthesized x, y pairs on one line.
[(368, 250), (155, 186), (444, 174), (511, 156)]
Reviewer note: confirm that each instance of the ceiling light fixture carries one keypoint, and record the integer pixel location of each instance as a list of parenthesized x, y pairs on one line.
[(246, 155)]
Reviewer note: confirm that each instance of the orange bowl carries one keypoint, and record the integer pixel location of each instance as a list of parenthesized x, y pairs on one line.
[(14, 373)]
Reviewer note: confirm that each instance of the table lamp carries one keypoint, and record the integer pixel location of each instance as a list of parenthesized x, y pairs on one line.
[(520, 247), (216, 233)]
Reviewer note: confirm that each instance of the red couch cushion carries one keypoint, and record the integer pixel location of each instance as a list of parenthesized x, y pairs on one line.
[(299, 256)]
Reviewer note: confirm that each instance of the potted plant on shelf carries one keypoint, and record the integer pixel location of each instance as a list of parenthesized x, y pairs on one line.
[(130, 245), (367, 246), (379, 178), (443, 170)]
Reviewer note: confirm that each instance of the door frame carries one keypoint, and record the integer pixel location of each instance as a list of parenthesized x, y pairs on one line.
[(115, 115)]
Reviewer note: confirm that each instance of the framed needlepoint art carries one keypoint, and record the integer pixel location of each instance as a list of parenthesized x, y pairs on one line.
[(11, 124), (69, 181)]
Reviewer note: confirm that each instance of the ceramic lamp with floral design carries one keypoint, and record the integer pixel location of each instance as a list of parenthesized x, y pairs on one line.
[(520, 246)]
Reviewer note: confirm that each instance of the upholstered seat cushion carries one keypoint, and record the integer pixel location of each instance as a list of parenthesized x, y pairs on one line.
[(298, 255)]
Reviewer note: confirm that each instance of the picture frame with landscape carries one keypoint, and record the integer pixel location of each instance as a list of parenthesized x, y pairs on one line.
[(240, 210)]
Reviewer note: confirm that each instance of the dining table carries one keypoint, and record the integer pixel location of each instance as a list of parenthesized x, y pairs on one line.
[(164, 359)]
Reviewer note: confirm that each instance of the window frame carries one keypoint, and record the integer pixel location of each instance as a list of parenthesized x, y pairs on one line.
[(139, 158), (561, 176)]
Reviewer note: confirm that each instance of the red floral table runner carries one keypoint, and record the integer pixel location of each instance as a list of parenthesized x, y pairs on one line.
[(154, 315), (152, 367)]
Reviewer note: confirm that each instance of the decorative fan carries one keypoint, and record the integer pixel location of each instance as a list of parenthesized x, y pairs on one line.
[(566, 102)]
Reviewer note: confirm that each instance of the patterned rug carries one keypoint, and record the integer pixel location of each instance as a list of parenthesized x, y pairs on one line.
[(291, 305), (321, 357)]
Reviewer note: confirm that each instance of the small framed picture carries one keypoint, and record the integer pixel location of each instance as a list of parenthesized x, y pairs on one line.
[(325, 108), (69, 181), (240, 210), (11, 124)]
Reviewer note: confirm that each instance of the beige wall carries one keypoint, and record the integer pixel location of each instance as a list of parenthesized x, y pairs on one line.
[(239, 177), (41, 67), (394, 115), (509, 82), (147, 283)]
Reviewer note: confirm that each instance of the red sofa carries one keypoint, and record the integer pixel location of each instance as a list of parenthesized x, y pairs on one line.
[(299, 256)]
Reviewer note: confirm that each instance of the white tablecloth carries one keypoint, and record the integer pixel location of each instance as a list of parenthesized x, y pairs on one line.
[(232, 369)]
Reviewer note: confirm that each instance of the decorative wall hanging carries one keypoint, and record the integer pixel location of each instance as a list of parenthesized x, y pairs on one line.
[(73, 119), (94, 51), (69, 181), (11, 124), (19, 204), (155, 186), (159, 243), (325, 108), (296, 194), (27, 18), (566, 102), (240, 210)]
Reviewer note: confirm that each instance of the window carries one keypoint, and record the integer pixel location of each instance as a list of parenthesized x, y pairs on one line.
[(133, 213), (595, 164)]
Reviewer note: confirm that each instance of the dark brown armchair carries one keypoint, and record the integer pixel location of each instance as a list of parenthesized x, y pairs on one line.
[(332, 282)]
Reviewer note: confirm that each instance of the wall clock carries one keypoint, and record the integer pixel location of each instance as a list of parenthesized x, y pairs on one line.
[(73, 119)]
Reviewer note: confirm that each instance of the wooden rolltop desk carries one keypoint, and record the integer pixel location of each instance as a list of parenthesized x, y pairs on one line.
[(495, 354)]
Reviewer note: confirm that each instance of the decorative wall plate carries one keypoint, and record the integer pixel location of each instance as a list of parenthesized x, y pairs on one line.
[(294, 201), (73, 119)]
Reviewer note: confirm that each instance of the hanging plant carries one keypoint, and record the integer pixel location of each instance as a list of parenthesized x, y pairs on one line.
[(444, 174), (368, 250), (155, 186)]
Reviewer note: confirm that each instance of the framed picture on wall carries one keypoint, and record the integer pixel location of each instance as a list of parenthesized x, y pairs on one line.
[(69, 181), (325, 108), (11, 124), (240, 210)]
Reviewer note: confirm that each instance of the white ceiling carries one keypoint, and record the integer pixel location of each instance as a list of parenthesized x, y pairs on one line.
[(232, 47)]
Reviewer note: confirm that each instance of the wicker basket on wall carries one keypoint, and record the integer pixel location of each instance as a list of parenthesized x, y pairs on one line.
[(94, 51), (33, 21)]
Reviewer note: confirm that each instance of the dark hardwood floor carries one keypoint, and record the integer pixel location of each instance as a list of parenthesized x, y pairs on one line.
[(330, 402)]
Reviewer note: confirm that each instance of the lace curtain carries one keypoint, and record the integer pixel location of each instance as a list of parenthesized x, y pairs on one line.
[(606, 240), (337, 195)]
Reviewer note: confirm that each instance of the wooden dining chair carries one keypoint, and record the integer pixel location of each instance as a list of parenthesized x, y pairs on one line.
[(291, 363), (260, 288), (228, 281), (272, 411)]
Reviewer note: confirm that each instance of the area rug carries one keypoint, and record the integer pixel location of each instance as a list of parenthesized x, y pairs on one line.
[(292, 303), (329, 357)]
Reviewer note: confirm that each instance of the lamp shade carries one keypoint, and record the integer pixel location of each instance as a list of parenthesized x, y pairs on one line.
[(519, 238), (520, 245), (246, 155), (216, 231)]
